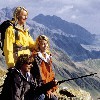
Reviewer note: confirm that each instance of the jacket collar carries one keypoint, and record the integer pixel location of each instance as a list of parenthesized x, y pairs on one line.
[(22, 28), (46, 58)]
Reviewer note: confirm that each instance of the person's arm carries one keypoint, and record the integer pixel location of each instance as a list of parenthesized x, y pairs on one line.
[(8, 46), (9, 86), (31, 42), (18, 93), (52, 77), (52, 73)]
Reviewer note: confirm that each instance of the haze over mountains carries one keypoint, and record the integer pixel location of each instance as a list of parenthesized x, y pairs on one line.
[(72, 48)]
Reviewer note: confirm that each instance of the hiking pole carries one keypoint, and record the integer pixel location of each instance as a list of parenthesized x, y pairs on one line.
[(59, 82)]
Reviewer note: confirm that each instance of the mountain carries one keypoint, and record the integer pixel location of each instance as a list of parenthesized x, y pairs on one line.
[(67, 69), (54, 22), (71, 38), (67, 36), (67, 48), (5, 14), (97, 40)]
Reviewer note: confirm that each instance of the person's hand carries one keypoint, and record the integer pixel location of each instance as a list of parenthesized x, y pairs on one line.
[(49, 95), (56, 81)]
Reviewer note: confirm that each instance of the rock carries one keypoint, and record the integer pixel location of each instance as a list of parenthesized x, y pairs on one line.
[(73, 94)]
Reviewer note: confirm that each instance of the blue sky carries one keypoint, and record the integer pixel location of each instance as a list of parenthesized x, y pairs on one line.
[(83, 12)]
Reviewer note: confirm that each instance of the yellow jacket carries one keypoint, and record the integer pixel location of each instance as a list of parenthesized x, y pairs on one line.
[(24, 39)]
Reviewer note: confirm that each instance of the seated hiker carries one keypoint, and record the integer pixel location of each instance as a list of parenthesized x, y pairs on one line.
[(17, 38), (18, 81), (42, 70)]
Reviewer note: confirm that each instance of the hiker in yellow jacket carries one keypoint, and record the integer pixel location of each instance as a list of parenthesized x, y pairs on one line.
[(17, 39)]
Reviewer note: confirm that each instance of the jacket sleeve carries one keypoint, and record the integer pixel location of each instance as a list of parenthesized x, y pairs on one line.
[(19, 88), (8, 46), (31, 41), (52, 76), (8, 91), (52, 73)]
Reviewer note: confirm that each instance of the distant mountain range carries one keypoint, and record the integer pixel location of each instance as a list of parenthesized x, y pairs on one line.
[(67, 36), (54, 23)]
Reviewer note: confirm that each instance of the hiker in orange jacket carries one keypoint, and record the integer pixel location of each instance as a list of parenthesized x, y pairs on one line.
[(17, 38), (42, 70)]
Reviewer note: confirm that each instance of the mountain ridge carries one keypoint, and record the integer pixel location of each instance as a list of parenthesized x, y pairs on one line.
[(54, 22), (67, 41)]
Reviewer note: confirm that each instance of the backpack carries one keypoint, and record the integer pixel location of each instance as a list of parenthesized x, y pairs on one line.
[(3, 28)]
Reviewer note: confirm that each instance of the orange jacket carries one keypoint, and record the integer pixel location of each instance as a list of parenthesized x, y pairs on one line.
[(45, 68)]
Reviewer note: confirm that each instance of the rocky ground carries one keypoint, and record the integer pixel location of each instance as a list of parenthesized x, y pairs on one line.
[(63, 70), (62, 93)]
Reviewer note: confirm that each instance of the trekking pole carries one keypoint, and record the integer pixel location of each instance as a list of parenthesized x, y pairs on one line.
[(59, 82)]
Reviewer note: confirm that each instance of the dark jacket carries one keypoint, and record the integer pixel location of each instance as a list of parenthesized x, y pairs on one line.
[(14, 88)]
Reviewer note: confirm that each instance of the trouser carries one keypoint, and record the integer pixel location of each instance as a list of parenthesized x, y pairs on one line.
[(40, 97), (32, 96)]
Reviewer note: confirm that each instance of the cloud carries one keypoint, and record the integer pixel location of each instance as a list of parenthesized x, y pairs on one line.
[(83, 12), (74, 17), (8, 3), (65, 9)]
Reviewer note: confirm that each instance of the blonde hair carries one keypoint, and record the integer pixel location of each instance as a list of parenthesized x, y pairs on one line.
[(39, 39), (17, 12)]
